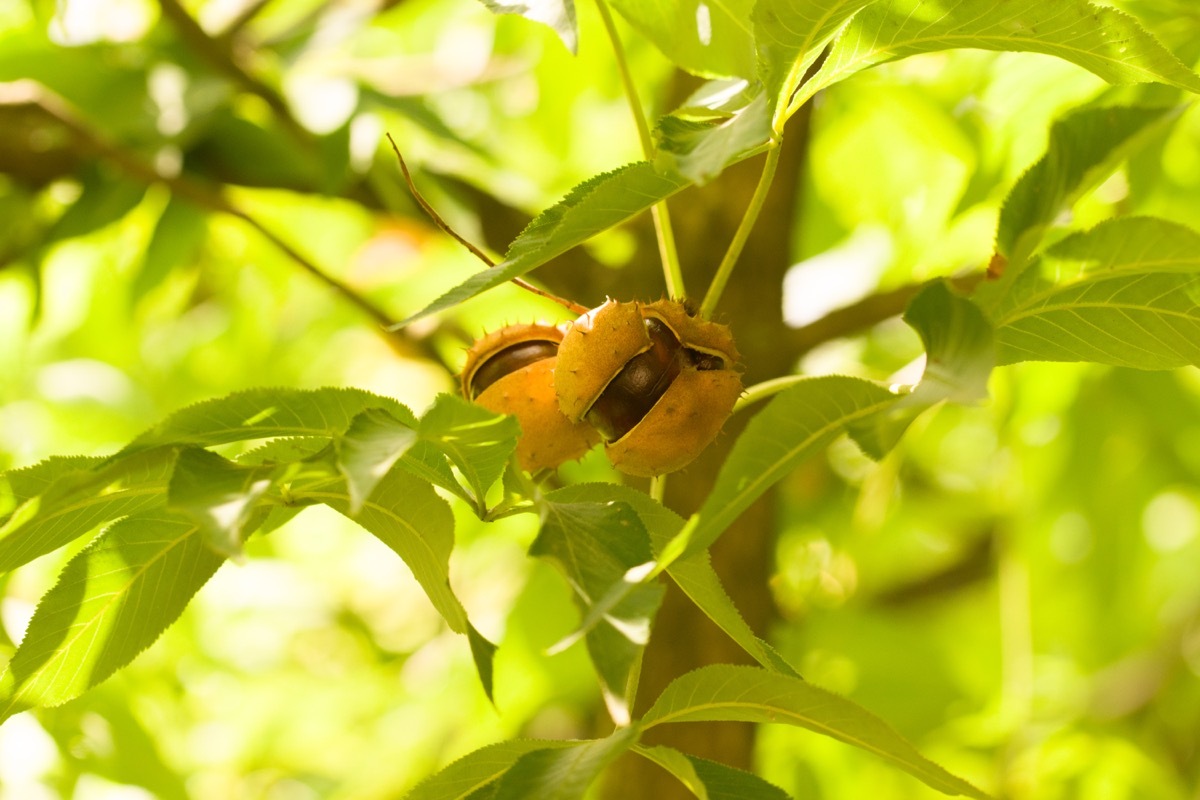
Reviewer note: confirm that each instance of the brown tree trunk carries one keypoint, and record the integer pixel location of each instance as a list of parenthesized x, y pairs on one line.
[(684, 638), (705, 219)]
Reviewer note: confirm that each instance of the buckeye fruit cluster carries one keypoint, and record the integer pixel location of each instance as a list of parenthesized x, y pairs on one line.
[(652, 381)]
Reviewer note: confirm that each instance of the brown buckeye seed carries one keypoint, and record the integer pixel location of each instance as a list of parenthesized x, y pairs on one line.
[(511, 371), (655, 381)]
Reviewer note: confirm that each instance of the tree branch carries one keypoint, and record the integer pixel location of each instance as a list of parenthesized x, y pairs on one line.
[(863, 314), (34, 95), (222, 55)]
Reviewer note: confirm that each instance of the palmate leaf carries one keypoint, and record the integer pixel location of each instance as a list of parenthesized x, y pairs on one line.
[(1085, 147), (112, 601), (563, 773), (407, 515), (796, 424), (1126, 293), (710, 780), (369, 449), (750, 694), (22, 485), (959, 356), (694, 575), (789, 36), (478, 442), (266, 414), (218, 495), (590, 208), (722, 123), (597, 545), (477, 770), (712, 39), (72, 500), (1105, 41)]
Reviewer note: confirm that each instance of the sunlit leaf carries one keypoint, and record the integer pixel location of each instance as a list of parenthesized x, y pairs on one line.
[(559, 15), (563, 773), (218, 495), (694, 575), (724, 122), (710, 780), (21, 485), (789, 36), (795, 425), (478, 442), (1125, 293), (264, 414), (959, 356), (407, 515), (476, 770), (368, 450), (78, 501), (597, 545), (111, 602), (1085, 146), (750, 694), (1103, 40), (591, 207), (712, 38)]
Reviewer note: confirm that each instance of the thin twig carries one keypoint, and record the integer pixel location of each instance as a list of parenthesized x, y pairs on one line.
[(432, 213), (33, 94)]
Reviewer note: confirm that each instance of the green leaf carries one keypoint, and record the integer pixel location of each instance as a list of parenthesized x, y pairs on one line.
[(724, 122), (76, 501), (478, 442), (1085, 147), (368, 450), (218, 495), (593, 206), (177, 238), (559, 15), (750, 694), (710, 780), (483, 652), (694, 575), (563, 773), (407, 515), (1109, 43), (1126, 293), (711, 39), (477, 770), (101, 203), (22, 485), (111, 602), (959, 356), (795, 425), (789, 37), (265, 414), (603, 549)]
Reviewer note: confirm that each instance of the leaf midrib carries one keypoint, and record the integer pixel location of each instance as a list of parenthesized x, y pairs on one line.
[(91, 623)]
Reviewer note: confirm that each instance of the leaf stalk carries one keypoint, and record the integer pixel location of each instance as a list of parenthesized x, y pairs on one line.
[(725, 269), (664, 232)]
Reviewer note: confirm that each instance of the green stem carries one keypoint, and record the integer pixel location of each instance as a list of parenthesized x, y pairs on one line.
[(761, 391), (672, 272), (658, 487), (713, 296)]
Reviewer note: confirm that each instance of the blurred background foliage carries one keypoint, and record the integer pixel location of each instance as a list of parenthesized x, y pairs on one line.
[(1015, 587)]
